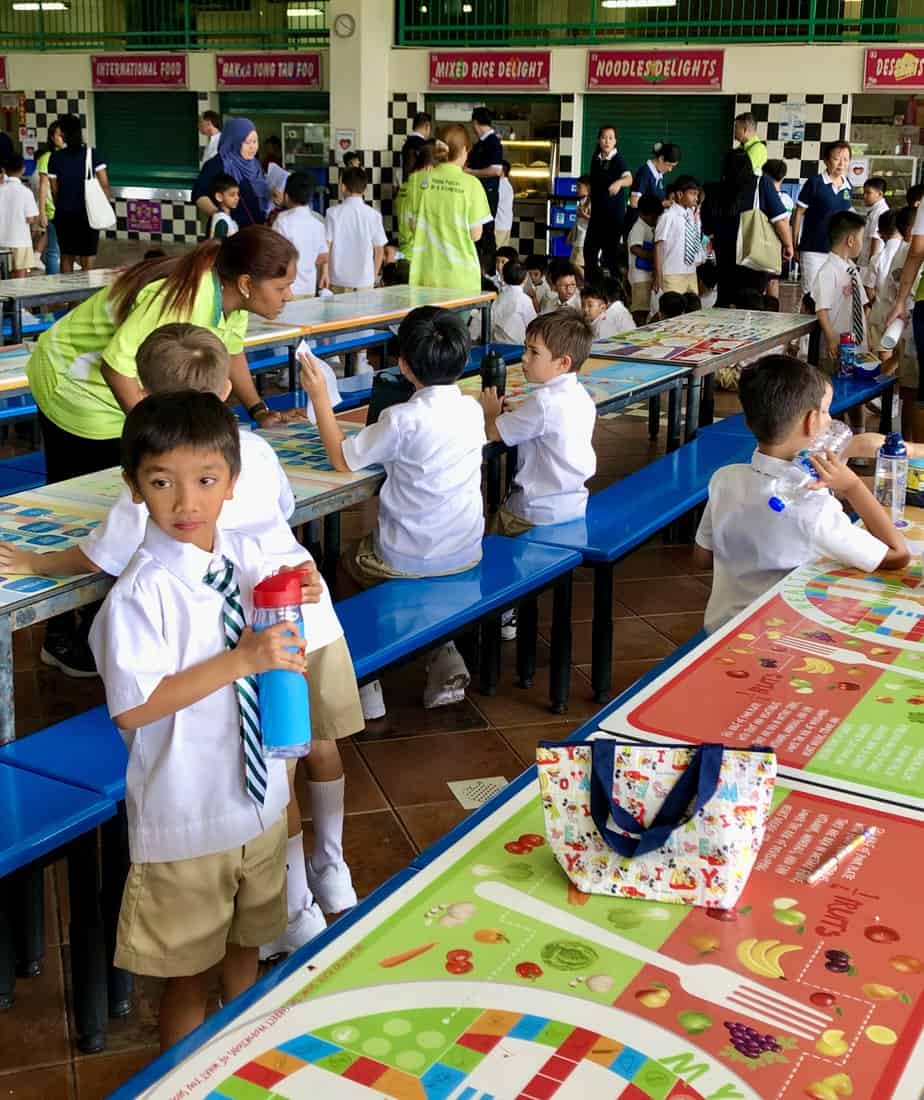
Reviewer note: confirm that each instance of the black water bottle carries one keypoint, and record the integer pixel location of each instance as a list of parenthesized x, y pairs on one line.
[(494, 372)]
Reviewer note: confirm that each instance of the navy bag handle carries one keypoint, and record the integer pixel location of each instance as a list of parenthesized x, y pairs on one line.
[(698, 782)]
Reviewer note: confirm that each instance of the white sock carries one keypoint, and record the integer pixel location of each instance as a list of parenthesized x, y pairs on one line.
[(327, 821), (298, 895)]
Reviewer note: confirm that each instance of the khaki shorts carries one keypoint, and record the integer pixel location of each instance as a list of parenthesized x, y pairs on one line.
[(577, 257), (507, 523), (177, 918), (682, 284), (641, 297), (367, 569), (22, 259), (335, 707), (502, 237)]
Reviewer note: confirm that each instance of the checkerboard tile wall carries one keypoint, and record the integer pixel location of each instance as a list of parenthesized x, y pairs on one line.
[(43, 107), (179, 224), (827, 119), (205, 101)]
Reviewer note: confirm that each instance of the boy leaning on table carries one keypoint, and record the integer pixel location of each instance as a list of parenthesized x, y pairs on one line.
[(748, 545)]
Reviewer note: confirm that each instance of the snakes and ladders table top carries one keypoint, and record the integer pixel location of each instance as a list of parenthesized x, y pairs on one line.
[(707, 339), (365, 308), (36, 290), (13, 370), (827, 669), (478, 974)]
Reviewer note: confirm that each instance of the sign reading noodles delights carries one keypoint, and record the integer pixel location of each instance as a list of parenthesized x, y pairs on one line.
[(139, 70), (664, 68), (490, 69)]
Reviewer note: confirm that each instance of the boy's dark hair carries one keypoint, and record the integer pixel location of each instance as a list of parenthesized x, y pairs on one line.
[(508, 252), (615, 288), (708, 275), (513, 273), (564, 332), (421, 119), (775, 169), (14, 164), (670, 304), (650, 206), (746, 119), (841, 224), (691, 302), (670, 189), (585, 180), (877, 183), (505, 167), (595, 291), (391, 242), (163, 422), (771, 304), (352, 159), (686, 183), (482, 116), (914, 194), (904, 219), (154, 254), (180, 356), (354, 180), (777, 392), (886, 223), (536, 262), (223, 182), (299, 187), (435, 345), (559, 268), (396, 274), (212, 116), (748, 298)]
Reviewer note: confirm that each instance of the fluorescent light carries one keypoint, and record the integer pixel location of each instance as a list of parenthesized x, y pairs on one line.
[(295, 13), (467, 9), (639, 3), (423, 9), (45, 5)]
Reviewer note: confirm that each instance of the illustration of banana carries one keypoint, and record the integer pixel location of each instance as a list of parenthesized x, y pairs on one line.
[(763, 956), (817, 666)]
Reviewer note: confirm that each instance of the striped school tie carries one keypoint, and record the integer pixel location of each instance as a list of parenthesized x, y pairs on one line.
[(856, 314), (255, 774), (691, 238)]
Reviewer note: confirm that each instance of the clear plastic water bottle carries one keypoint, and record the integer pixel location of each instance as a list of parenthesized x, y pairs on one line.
[(847, 355), (285, 713), (891, 480), (834, 440), (892, 334)]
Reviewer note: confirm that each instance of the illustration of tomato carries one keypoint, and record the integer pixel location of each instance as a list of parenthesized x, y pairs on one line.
[(459, 966), (879, 933), (515, 848), (530, 971), (738, 674), (531, 840), (459, 954), (822, 999)]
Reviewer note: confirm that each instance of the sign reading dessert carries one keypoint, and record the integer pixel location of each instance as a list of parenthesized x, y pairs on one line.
[(274, 70), (490, 69), (139, 70), (895, 68), (663, 68)]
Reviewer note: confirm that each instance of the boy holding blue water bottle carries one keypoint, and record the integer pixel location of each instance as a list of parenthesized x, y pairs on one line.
[(206, 808)]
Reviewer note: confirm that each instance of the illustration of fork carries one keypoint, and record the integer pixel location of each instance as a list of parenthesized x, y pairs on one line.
[(845, 656), (716, 984)]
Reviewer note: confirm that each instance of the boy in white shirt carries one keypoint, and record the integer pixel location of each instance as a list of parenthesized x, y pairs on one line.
[(678, 241), (538, 287), (356, 238), (552, 429), (748, 543), (838, 292), (430, 519), (513, 309), (180, 357), (641, 244), (503, 219), (226, 194), (606, 316), (578, 233), (299, 224), (18, 212), (876, 205), (503, 255), (877, 270), (206, 809), (564, 284)]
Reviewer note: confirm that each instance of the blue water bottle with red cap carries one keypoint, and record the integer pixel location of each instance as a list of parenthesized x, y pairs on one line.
[(285, 712)]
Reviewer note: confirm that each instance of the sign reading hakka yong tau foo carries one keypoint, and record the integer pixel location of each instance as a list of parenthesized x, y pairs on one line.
[(274, 70), (894, 68), (665, 68), (490, 69), (139, 70)]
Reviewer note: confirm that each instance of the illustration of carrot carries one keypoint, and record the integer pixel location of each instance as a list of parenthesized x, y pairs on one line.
[(406, 956), (576, 896)]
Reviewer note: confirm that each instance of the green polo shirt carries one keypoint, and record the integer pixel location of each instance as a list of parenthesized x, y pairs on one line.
[(65, 372), (757, 151)]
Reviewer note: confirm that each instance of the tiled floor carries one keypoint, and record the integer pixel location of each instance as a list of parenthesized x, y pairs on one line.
[(394, 806)]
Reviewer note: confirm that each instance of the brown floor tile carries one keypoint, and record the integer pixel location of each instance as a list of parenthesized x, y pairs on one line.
[(137, 1030), (100, 1074), (582, 601), (431, 822), (523, 739), (516, 706), (445, 757), (38, 1013), (663, 597), (361, 792), (633, 639), (625, 673), (52, 919), (657, 560), (679, 628), (375, 847), (52, 1083)]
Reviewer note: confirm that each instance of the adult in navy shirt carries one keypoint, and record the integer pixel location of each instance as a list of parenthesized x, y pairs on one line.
[(721, 214), (486, 160), (649, 179), (6, 148), (820, 197), (610, 180)]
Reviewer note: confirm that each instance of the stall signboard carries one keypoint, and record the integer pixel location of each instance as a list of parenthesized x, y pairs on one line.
[(665, 68), (139, 70), (268, 70), (143, 216), (490, 69), (901, 67), (2, 72)]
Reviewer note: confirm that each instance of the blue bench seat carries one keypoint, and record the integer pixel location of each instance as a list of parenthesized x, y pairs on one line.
[(21, 472), (393, 622)]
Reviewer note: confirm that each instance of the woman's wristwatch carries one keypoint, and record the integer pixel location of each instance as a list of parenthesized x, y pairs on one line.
[(259, 409)]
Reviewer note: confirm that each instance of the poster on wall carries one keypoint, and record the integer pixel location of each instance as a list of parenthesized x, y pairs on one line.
[(792, 122), (143, 70), (143, 216), (268, 70), (344, 142), (29, 145), (490, 69), (902, 67), (2, 72), (685, 69)]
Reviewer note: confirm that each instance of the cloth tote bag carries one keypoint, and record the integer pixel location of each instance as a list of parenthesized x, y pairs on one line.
[(660, 822), (758, 245), (100, 214)]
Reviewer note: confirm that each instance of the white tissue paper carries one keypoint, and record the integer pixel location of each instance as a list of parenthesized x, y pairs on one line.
[(303, 351)]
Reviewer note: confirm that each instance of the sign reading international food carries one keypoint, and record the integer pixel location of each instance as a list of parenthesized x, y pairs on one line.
[(139, 70)]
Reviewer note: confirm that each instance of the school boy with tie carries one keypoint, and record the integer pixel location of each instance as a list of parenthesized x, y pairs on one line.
[(838, 292), (678, 241)]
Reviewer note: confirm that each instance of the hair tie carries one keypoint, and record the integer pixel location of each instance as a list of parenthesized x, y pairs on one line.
[(657, 147)]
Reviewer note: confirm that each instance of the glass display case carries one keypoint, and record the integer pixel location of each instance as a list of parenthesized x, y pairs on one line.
[(533, 164), (899, 172)]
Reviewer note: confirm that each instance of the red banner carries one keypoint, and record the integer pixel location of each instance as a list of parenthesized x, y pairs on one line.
[(2, 72), (139, 70), (894, 68), (275, 70), (490, 69), (665, 68)]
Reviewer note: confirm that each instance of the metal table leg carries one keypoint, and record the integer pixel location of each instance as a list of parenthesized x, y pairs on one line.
[(707, 407), (673, 419), (494, 482), (490, 654), (17, 322), (88, 946), (694, 396), (601, 675), (486, 323), (331, 548), (885, 412), (560, 657), (654, 416), (7, 714), (114, 866), (293, 369), (527, 636)]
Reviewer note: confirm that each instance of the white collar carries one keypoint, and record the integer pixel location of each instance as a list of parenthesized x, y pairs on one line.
[(487, 133), (842, 263), (825, 178), (186, 562), (417, 133), (432, 394), (607, 156), (657, 175), (569, 379), (769, 465)]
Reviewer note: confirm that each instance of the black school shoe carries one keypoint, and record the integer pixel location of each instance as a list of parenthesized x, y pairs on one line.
[(70, 654)]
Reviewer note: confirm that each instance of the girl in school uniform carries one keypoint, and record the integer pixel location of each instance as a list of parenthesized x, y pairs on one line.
[(610, 180), (821, 196)]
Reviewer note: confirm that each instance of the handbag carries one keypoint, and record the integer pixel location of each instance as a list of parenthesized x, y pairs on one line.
[(665, 823), (100, 214), (389, 387), (758, 246)]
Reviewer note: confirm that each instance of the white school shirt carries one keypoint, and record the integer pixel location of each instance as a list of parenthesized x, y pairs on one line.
[(616, 319), (671, 229), (753, 546), (16, 204), (306, 231), (544, 294), (211, 148), (260, 509), (880, 206), (640, 233), (832, 290), (579, 234), (709, 299), (503, 219), (553, 302), (430, 512), (553, 433), (184, 787), (877, 271), (219, 217), (512, 312), (353, 230)]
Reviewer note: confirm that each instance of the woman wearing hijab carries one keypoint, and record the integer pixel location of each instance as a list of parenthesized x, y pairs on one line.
[(237, 158)]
